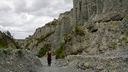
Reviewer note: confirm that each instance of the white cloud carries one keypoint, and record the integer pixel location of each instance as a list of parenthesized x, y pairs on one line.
[(22, 17)]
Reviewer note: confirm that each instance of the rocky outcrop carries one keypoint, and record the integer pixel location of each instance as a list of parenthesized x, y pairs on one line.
[(18, 61), (105, 29)]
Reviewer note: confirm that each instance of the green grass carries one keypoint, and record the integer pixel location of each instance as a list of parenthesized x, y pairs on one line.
[(43, 37), (59, 52), (43, 50)]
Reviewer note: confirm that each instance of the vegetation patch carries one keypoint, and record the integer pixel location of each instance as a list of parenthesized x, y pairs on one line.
[(126, 15), (53, 23), (126, 41), (126, 34), (43, 37), (113, 45), (122, 39), (3, 40), (43, 50), (7, 37), (60, 51), (78, 30), (1, 47), (5, 51)]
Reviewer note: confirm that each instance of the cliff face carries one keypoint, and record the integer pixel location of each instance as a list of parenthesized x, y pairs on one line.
[(105, 27), (38, 39), (52, 33)]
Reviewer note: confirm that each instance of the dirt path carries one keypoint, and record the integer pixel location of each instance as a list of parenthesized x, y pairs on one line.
[(55, 68)]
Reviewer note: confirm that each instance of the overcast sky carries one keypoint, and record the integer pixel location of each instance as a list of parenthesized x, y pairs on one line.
[(22, 17)]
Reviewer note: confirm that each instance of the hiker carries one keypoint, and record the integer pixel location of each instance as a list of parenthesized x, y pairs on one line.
[(49, 58)]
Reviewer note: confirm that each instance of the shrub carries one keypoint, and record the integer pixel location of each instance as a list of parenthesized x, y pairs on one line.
[(53, 23), (43, 50), (77, 28), (5, 51), (60, 51)]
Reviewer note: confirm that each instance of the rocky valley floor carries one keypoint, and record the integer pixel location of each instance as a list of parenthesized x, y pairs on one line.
[(25, 61), (109, 62), (55, 67)]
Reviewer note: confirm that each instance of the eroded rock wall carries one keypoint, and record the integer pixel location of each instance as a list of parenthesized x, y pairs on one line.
[(106, 25)]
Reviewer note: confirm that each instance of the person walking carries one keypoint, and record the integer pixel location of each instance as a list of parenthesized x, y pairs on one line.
[(49, 58)]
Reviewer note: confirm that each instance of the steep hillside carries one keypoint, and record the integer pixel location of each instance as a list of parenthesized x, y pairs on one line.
[(6, 41)]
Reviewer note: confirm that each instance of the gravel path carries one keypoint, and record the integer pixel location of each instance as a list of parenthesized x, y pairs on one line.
[(55, 68)]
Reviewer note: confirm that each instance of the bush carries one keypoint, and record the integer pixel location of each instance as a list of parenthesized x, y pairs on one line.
[(77, 28), (5, 51), (53, 23), (59, 52), (43, 50)]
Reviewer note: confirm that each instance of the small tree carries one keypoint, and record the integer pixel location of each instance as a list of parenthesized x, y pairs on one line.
[(8, 34)]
